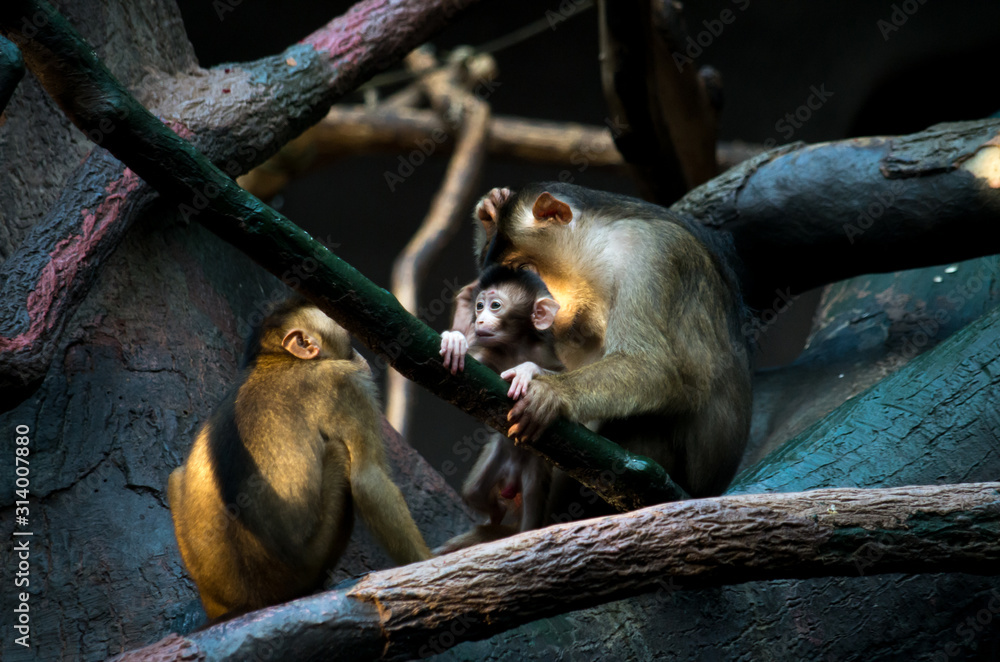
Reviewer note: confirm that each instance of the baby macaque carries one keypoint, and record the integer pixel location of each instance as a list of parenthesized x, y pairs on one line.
[(264, 504), (511, 334)]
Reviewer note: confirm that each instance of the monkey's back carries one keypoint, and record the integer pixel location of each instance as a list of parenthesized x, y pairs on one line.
[(262, 505)]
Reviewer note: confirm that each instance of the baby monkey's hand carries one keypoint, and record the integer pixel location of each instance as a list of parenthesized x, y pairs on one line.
[(519, 377), (454, 346)]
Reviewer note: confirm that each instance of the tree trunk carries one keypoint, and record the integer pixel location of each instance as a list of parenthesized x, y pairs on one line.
[(150, 351)]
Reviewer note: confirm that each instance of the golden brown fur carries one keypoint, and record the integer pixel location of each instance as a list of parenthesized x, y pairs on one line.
[(263, 505)]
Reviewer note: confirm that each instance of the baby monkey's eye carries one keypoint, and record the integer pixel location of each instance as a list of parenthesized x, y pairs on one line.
[(495, 305), (479, 306)]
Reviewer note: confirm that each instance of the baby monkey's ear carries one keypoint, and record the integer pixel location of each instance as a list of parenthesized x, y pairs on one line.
[(543, 315)]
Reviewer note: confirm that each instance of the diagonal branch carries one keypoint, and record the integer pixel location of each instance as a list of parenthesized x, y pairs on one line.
[(238, 115), (91, 97)]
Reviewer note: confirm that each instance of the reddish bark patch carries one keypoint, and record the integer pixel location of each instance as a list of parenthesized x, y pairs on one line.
[(65, 261)]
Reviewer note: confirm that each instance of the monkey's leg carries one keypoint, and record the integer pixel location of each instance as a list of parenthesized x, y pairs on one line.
[(479, 489), (535, 479), (384, 510), (337, 517)]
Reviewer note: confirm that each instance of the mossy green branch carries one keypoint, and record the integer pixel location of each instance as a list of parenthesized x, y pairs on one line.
[(100, 106)]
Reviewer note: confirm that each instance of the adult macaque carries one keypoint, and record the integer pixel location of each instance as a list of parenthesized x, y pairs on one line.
[(263, 505), (510, 333), (648, 328)]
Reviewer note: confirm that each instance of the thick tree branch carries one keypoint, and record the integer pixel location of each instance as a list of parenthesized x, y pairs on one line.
[(664, 111), (237, 115), (402, 613), (351, 130), (68, 66), (806, 215)]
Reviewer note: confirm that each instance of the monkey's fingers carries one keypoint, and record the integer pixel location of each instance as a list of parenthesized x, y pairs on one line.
[(536, 411), (452, 351), (460, 348), (521, 383), (515, 416), (517, 411), (512, 376), (450, 359), (446, 358)]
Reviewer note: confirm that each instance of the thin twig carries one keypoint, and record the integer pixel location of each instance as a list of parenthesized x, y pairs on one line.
[(448, 209)]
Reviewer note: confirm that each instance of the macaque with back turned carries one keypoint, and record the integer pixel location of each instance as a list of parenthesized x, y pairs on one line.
[(508, 329), (264, 504)]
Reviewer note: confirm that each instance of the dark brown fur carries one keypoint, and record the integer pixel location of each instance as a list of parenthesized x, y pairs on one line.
[(263, 505)]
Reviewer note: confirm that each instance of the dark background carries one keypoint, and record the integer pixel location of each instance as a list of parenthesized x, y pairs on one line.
[(939, 65)]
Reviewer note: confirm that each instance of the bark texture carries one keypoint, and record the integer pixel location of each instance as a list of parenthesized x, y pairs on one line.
[(138, 361), (131, 372), (806, 215), (865, 329), (237, 115)]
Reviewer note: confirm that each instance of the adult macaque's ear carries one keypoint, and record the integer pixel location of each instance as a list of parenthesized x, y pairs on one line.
[(488, 208), (549, 208), (543, 315), (300, 344)]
